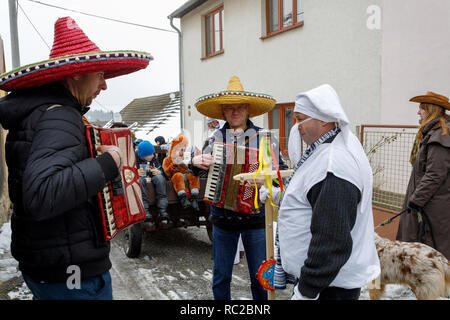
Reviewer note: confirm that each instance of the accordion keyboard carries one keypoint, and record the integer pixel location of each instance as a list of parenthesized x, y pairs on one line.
[(216, 174)]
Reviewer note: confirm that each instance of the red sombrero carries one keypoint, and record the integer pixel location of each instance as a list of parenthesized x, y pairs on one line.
[(73, 54)]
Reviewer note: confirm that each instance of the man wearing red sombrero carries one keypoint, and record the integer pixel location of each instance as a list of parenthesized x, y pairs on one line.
[(52, 180)]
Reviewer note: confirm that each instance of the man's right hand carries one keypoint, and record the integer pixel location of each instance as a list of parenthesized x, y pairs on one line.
[(114, 152), (202, 161)]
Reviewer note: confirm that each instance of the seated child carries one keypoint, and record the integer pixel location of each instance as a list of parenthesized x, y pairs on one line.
[(146, 154)]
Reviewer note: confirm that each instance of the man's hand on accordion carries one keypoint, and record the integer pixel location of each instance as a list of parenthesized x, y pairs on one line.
[(203, 161), (114, 151)]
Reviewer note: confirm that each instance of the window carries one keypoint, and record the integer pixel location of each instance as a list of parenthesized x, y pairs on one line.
[(282, 117), (283, 15), (214, 32)]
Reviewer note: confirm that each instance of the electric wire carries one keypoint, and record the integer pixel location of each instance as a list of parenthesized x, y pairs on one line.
[(101, 17), (35, 29)]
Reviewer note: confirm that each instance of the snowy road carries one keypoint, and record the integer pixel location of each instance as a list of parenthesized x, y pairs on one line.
[(174, 264)]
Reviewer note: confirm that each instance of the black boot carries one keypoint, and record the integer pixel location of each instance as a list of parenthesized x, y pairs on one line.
[(185, 202), (149, 221), (194, 199), (148, 216), (162, 204), (163, 217), (194, 203)]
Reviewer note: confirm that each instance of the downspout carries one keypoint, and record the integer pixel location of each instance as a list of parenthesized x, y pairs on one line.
[(180, 67)]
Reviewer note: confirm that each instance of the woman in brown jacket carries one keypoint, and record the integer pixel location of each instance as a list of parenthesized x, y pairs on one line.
[(428, 192)]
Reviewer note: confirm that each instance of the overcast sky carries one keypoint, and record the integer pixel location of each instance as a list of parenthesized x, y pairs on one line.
[(161, 76)]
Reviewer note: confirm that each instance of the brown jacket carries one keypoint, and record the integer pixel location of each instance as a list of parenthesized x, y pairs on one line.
[(429, 188)]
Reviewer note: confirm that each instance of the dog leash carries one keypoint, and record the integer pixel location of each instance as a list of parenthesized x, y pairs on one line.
[(387, 221), (424, 222)]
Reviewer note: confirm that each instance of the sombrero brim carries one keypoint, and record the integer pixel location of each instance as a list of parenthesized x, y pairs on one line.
[(113, 63), (211, 105), (432, 100)]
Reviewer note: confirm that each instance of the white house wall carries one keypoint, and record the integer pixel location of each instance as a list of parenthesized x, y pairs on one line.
[(416, 55), (334, 46)]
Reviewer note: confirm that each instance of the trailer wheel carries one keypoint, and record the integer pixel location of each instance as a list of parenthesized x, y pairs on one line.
[(133, 240)]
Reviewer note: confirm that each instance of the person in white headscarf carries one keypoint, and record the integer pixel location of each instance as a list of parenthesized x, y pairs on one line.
[(325, 222)]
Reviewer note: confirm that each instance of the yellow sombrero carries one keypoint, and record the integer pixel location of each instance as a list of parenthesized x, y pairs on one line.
[(211, 104)]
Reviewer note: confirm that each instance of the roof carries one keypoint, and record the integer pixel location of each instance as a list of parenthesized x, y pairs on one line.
[(186, 8), (151, 112)]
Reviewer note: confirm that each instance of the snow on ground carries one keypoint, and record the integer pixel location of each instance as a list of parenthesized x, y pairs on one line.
[(5, 237), (8, 265), (156, 275)]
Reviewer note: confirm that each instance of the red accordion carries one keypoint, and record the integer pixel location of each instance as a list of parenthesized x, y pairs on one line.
[(224, 192), (120, 202)]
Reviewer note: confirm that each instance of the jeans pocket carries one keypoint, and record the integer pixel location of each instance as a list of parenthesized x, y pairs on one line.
[(98, 287)]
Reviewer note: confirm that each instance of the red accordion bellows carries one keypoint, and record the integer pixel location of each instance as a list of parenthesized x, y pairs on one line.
[(120, 203), (224, 192)]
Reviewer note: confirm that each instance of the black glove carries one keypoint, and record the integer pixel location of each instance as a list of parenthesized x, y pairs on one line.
[(415, 207)]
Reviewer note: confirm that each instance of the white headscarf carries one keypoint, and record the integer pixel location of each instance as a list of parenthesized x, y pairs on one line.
[(321, 103), (294, 145)]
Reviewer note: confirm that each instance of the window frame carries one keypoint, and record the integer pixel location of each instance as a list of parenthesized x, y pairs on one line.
[(281, 28), (213, 38), (282, 127)]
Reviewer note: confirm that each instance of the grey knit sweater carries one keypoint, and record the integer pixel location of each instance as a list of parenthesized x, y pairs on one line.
[(334, 205)]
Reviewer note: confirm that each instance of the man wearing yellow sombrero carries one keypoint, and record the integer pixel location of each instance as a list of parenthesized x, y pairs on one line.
[(52, 180), (236, 106)]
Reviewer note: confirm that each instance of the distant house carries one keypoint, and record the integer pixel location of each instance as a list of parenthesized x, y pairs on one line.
[(376, 54), (151, 113)]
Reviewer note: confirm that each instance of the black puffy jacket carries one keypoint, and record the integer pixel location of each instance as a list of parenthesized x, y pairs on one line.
[(52, 183)]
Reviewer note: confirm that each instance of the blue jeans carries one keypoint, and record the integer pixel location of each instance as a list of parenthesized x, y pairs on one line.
[(224, 251), (159, 182), (95, 288)]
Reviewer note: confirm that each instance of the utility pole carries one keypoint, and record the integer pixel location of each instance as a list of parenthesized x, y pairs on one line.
[(14, 34)]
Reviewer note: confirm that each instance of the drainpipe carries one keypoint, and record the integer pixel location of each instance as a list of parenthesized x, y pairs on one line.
[(15, 54), (180, 67)]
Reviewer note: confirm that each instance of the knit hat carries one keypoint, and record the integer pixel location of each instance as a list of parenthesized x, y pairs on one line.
[(145, 148), (160, 139), (137, 142), (73, 53)]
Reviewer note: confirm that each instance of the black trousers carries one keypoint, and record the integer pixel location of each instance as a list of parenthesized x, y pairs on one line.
[(335, 293)]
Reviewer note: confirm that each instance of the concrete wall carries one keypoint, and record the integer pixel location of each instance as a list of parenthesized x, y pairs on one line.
[(334, 46), (416, 55)]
